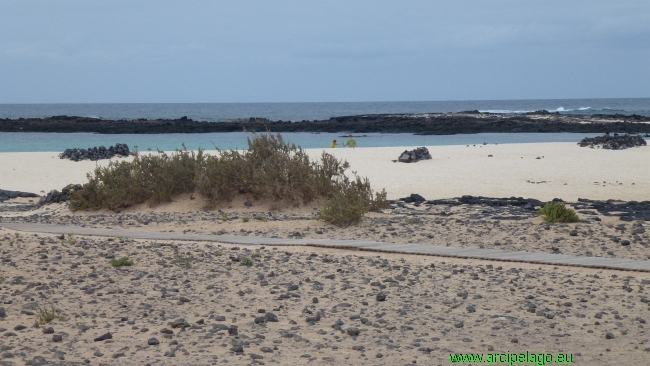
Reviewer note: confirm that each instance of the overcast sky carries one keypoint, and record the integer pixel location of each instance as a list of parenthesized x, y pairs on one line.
[(321, 51)]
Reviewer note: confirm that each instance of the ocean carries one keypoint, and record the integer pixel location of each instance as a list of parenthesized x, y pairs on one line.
[(216, 112)]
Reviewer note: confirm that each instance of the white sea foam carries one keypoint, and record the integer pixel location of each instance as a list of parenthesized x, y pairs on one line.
[(502, 111)]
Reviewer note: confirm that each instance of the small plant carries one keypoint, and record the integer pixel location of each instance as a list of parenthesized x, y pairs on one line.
[(246, 219), (184, 261), (224, 217), (260, 218), (558, 212), (256, 255), (246, 261), (124, 261), (218, 254), (47, 315)]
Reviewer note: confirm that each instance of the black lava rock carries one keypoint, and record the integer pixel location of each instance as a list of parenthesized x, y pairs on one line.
[(613, 142), (95, 153), (59, 197), (7, 195), (411, 156)]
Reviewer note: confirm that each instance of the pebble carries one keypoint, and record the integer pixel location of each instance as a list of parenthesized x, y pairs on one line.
[(104, 337)]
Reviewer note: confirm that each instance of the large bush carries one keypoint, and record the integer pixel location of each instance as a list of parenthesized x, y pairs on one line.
[(269, 169)]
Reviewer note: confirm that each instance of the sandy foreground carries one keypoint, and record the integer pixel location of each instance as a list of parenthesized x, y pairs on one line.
[(188, 303), (194, 303), (563, 170)]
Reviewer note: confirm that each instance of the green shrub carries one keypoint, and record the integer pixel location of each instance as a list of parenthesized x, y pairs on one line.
[(154, 178), (184, 261), (350, 201), (45, 316), (558, 212), (124, 261), (269, 169), (246, 261)]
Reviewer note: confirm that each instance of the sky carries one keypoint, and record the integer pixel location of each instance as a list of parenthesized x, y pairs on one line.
[(170, 51)]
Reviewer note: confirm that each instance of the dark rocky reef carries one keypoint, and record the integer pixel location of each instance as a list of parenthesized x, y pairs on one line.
[(425, 124), (513, 208), (613, 142), (7, 195), (95, 153), (58, 197), (415, 155), (626, 211), (525, 203), (517, 208)]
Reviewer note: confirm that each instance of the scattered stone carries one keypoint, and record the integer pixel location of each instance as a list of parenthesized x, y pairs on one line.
[(415, 155), (104, 337), (353, 331)]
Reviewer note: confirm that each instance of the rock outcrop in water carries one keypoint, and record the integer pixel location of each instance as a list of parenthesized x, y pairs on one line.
[(613, 142), (95, 153), (422, 124), (412, 156)]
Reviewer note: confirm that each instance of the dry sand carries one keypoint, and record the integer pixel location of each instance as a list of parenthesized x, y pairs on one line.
[(201, 306), (564, 170), (433, 307)]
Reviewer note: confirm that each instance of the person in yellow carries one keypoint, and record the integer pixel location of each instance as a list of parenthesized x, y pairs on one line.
[(351, 142), (334, 144)]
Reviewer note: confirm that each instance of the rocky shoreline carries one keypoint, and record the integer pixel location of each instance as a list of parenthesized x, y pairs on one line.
[(424, 124)]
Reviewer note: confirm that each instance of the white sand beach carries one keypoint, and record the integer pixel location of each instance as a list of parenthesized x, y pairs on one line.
[(189, 302), (563, 170)]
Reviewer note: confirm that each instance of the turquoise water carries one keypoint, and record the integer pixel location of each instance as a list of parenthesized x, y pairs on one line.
[(57, 142)]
